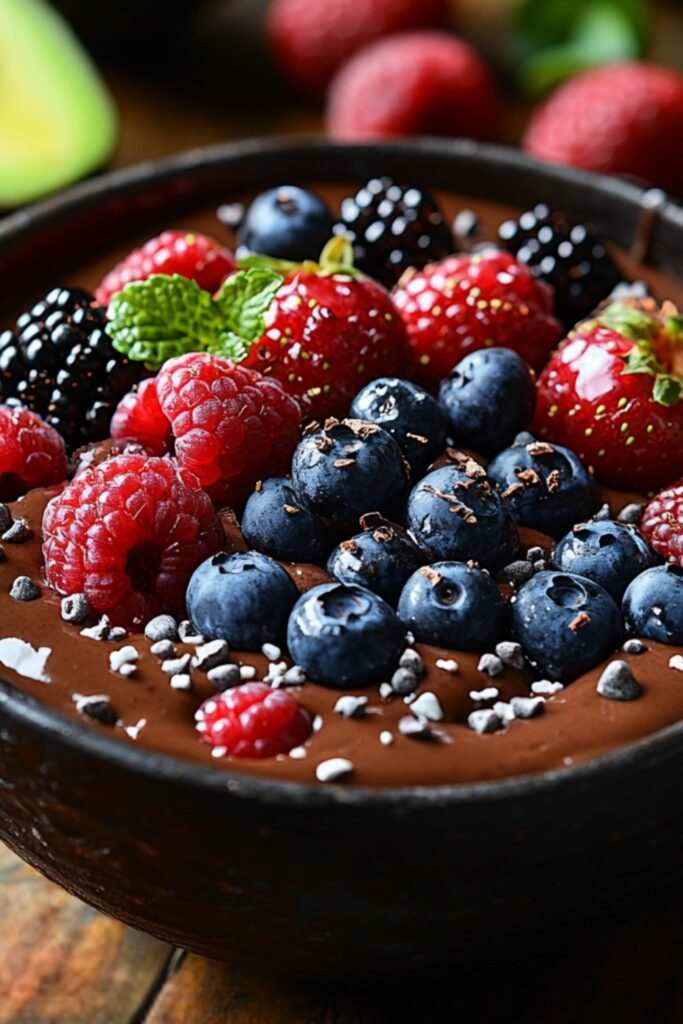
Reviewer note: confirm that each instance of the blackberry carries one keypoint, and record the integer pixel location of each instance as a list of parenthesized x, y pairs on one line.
[(393, 227), (60, 362), (571, 257)]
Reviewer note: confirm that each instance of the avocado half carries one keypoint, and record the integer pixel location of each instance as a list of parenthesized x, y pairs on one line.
[(57, 121)]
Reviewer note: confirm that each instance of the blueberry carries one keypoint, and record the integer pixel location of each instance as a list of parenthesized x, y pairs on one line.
[(606, 552), (566, 624), (457, 515), (288, 222), (409, 414), (381, 558), (653, 604), (344, 636), (345, 469), (453, 605), (488, 398), (244, 599), (547, 486), (275, 522)]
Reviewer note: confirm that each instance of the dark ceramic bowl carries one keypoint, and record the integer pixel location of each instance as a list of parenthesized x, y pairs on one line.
[(332, 881)]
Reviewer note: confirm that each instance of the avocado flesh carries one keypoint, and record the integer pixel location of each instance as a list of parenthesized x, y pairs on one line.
[(57, 122)]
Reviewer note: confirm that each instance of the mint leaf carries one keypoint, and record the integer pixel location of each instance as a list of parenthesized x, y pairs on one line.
[(242, 302), (667, 389), (154, 320)]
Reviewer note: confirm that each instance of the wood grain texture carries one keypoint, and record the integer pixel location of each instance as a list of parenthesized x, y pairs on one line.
[(63, 963)]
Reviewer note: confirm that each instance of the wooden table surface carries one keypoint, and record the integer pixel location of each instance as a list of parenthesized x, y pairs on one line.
[(63, 963)]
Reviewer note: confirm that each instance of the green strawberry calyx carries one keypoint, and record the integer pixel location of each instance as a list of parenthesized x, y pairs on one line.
[(167, 316), (657, 351), (336, 258)]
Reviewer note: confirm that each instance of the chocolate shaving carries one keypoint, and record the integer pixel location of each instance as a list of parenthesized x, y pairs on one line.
[(291, 510), (553, 481), (581, 620), (528, 477), (420, 438), (343, 463), (432, 575), (540, 448)]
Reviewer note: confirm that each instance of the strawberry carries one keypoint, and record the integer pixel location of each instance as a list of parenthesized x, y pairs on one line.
[(187, 253), (612, 393), (624, 118), (328, 334), (469, 302), (310, 41), (414, 83)]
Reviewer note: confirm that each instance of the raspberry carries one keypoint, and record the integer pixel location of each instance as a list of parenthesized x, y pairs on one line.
[(253, 721), (465, 303), (662, 523), (231, 425), (139, 418), (187, 253), (129, 533), (414, 83), (31, 453), (310, 41)]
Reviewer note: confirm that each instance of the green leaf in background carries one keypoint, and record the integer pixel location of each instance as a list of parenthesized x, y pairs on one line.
[(163, 317), (556, 38), (57, 122)]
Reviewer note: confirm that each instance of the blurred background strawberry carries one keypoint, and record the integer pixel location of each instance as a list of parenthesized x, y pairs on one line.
[(123, 80)]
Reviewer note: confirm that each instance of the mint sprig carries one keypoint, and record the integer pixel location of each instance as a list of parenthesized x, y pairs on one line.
[(166, 316)]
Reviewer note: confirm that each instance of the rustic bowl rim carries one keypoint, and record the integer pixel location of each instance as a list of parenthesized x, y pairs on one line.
[(82, 739)]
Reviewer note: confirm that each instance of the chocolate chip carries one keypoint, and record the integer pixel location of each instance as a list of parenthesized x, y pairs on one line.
[(415, 728), (631, 514), (634, 646), (602, 514), (18, 532), (5, 518), (516, 573), (224, 677), (540, 565), (482, 696), (122, 656), (544, 687), (483, 721), (411, 660), (176, 666), (24, 589), (490, 664), (350, 706), (271, 651), (535, 553), (617, 682), (188, 635), (404, 680), (527, 707), (181, 681), (676, 662), (386, 738), (100, 631), (117, 633), (75, 608), (332, 769), (511, 654), (294, 676), (427, 706), (96, 706), (164, 649), (448, 665), (215, 652), (161, 627)]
